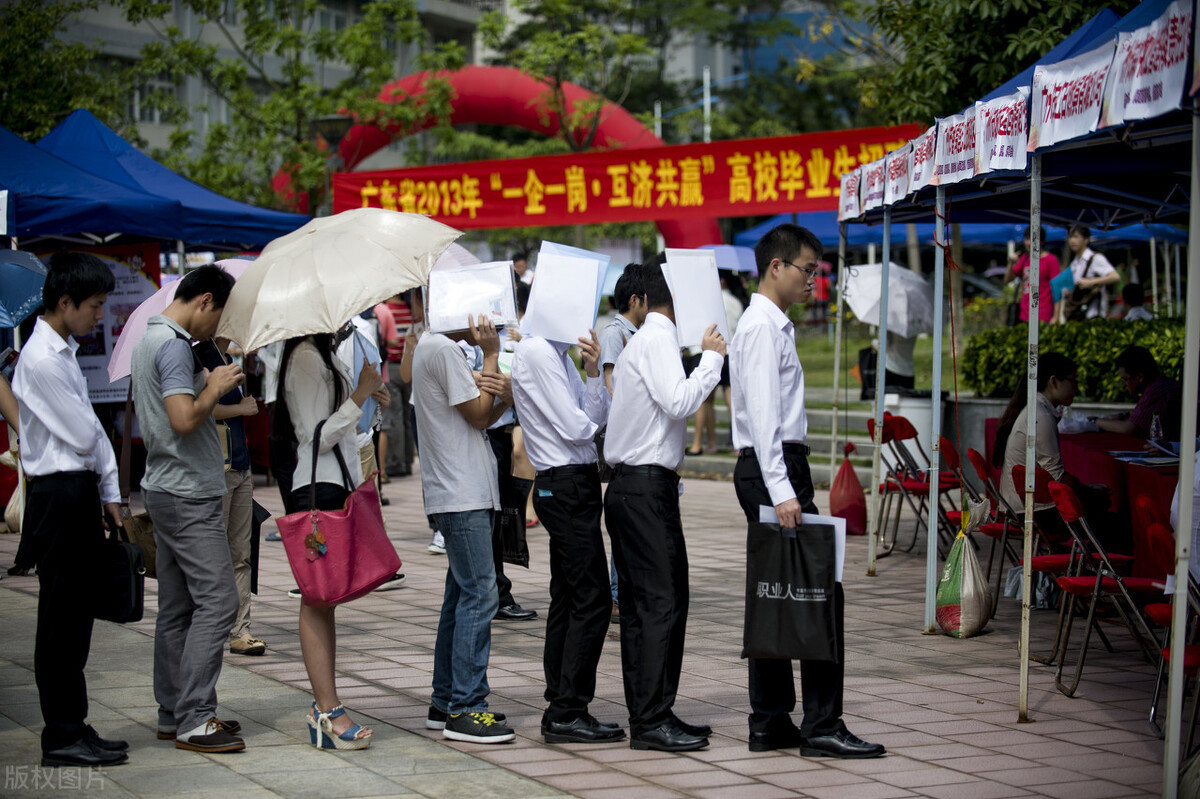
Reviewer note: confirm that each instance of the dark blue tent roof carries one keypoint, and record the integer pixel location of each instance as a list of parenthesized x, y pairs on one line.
[(825, 225), (49, 197), (209, 218)]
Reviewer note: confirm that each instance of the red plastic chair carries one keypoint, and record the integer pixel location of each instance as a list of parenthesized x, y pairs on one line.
[(1098, 580), (1160, 613), (907, 482)]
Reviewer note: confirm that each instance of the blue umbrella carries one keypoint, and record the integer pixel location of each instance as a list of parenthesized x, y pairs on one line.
[(21, 278), (733, 257)]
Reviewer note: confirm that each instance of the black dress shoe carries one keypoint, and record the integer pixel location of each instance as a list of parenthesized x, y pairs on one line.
[(82, 753), (843, 744), (699, 730), (770, 740), (90, 734), (515, 612), (667, 737), (586, 730)]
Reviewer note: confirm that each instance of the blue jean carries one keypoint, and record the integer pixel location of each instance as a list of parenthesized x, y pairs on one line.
[(464, 637)]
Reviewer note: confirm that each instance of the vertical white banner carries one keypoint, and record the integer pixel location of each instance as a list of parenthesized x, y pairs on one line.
[(955, 155), (899, 168), (1002, 132), (1150, 68), (3, 212), (873, 175), (1067, 96), (848, 206), (923, 149)]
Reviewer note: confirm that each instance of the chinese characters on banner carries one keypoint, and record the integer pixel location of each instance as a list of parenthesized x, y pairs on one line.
[(136, 269), (955, 155), (873, 177), (729, 178), (1001, 133), (1066, 97), (898, 165), (848, 205), (923, 148), (1150, 68)]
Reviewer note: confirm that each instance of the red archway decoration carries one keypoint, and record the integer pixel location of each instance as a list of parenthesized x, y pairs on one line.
[(507, 96)]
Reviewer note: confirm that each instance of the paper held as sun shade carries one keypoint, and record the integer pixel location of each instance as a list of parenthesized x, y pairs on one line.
[(479, 290), (696, 292)]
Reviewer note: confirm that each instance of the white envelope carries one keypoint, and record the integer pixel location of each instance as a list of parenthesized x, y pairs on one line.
[(481, 290), (696, 292), (562, 302)]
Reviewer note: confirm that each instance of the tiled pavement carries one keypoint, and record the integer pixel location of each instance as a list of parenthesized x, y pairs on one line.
[(946, 709)]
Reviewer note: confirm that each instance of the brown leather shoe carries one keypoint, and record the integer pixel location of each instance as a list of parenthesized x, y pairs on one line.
[(231, 726), (214, 739)]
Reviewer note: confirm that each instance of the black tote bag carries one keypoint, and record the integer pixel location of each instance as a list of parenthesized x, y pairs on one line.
[(790, 585), (120, 580)]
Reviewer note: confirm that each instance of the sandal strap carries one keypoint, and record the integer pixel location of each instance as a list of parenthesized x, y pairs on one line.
[(324, 722)]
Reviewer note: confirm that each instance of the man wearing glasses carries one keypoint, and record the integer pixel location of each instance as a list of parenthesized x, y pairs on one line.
[(770, 427)]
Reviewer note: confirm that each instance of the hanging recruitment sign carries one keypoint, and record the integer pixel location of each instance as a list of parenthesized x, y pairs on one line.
[(1150, 68), (848, 205), (955, 154), (1066, 97), (1002, 132), (742, 177), (899, 164), (923, 163), (873, 180)]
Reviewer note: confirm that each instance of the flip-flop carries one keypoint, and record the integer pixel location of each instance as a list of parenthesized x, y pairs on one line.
[(274, 536)]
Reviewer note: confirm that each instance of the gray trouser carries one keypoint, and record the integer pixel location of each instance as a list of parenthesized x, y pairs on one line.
[(197, 603), (236, 509), (400, 449)]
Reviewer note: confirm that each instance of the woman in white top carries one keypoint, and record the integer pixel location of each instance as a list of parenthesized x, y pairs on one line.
[(315, 388)]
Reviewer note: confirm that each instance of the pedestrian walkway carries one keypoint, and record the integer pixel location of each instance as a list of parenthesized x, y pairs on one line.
[(946, 709)]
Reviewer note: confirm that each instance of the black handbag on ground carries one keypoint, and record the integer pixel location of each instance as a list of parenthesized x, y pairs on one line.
[(510, 520), (790, 585), (121, 580)]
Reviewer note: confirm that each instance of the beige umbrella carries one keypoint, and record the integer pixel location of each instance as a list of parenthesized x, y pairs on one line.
[(313, 279)]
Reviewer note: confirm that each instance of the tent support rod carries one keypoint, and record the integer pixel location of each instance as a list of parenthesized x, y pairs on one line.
[(1035, 263), (880, 382), (837, 348), (935, 426), (1187, 478)]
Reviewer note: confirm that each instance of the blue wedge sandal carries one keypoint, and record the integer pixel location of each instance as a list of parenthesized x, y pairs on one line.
[(320, 730)]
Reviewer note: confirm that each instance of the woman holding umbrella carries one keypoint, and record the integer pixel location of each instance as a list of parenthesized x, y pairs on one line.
[(315, 390)]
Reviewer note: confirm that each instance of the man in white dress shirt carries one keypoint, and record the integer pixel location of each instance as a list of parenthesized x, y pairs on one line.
[(770, 428), (72, 475), (560, 417), (652, 399)]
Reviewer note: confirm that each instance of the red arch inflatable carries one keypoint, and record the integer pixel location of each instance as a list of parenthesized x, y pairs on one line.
[(507, 96)]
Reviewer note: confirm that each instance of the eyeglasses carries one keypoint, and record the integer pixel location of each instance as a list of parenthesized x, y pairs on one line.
[(1073, 379), (808, 272)]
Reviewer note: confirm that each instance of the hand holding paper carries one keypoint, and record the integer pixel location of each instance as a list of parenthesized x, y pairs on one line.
[(713, 340), (589, 352)]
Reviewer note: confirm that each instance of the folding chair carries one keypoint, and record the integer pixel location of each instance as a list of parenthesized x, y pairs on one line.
[(1007, 517), (905, 481), (1161, 614), (1096, 580)]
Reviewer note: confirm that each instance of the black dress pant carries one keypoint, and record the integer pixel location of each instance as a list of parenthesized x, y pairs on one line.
[(501, 441), (62, 516), (641, 510), (568, 503), (772, 683)]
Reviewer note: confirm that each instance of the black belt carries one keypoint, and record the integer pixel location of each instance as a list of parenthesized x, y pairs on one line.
[(644, 471), (74, 475), (789, 448), (572, 470)]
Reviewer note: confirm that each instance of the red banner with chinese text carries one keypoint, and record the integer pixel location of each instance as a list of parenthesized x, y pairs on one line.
[(741, 177)]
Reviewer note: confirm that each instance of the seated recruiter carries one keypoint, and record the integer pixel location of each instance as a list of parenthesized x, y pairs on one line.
[(1157, 395)]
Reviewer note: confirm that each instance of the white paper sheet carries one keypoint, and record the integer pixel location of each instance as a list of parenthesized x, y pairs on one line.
[(562, 303), (475, 289), (767, 515), (565, 249), (696, 292)]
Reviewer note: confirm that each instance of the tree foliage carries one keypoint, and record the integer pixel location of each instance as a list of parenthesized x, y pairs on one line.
[(934, 57)]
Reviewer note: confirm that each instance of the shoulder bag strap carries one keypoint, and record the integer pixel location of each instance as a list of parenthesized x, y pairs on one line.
[(341, 459), (126, 446)]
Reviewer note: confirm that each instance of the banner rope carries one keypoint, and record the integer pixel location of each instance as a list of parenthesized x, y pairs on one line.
[(953, 267)]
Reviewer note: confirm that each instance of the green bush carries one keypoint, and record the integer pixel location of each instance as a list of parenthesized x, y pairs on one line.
[(995, 361)]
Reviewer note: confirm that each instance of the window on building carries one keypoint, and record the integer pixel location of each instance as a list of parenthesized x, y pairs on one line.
[(145, 105), (336, 14)]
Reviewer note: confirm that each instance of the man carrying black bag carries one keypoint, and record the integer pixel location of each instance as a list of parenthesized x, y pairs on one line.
[(770, 427)]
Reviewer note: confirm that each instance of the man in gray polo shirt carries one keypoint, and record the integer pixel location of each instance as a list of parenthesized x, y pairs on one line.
[(182, 488)]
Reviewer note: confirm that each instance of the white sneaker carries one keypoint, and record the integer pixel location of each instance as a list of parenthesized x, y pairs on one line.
[(438, 545)]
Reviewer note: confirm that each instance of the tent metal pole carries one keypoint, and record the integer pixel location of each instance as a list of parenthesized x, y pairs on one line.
[(880, 382), (935, 427), (1035, 262), (1154, 275), (179, 252), (1187, 479), (1166, 254), (1178, 310), (837, 348)]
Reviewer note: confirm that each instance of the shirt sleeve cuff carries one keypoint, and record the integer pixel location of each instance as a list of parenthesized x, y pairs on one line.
[(781, 491), (713, 360)]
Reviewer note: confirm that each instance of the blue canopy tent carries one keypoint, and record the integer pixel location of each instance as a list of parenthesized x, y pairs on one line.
[(209, 218), (825, 225), (49, 197)]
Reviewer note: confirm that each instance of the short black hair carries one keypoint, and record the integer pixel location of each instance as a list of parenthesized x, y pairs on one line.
[(1053, 364), (208, 279), (519, 256), (522, 295), (628, 284), (784, 242), (1133, 294), (654, 281), (1041, 230), (1082, 230), (1137, 360), (76, 275)]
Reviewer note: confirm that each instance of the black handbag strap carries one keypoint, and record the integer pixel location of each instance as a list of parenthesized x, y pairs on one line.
[(341, 459)]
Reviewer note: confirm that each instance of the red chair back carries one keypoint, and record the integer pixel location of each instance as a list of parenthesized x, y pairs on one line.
[(1064, 499), (1159, 552), (887, 434), (902, 428), (980, 463), (1146, 512), (950, 453), (1041, 484)]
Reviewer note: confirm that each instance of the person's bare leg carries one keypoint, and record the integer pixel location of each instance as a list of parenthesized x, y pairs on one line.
[(318, 645), (709, 409), (523, 468), (381, 458)]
